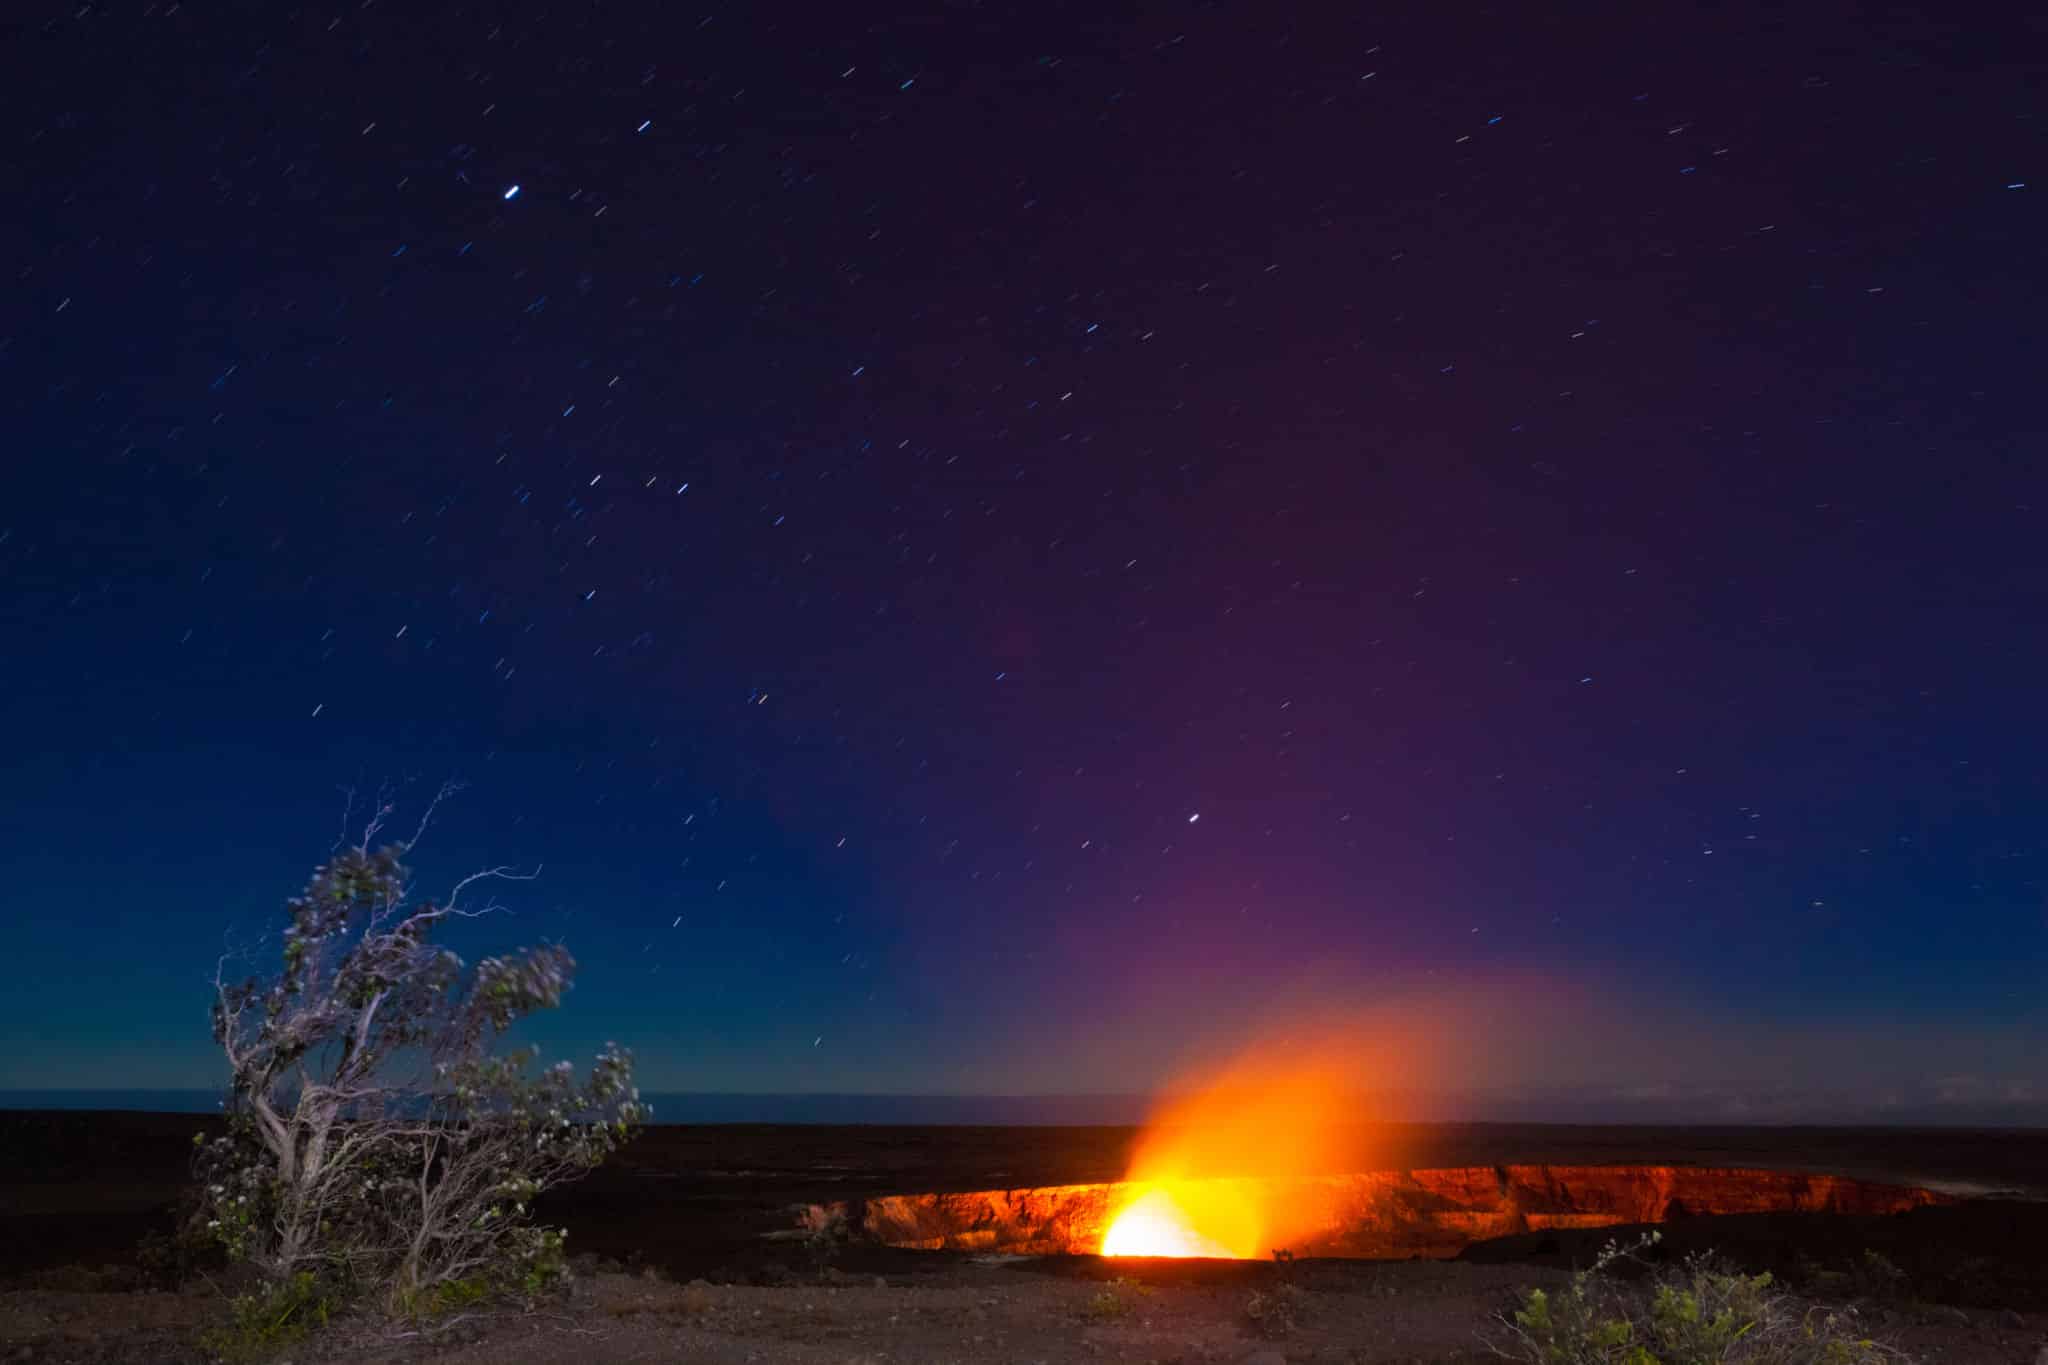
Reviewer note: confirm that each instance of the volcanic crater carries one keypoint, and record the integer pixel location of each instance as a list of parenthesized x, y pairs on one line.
[(1375, 1215)]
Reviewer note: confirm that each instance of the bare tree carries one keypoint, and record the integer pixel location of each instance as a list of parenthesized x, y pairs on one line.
[(376, 1136)]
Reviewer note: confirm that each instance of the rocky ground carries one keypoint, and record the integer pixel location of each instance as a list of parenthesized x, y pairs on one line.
[(1434, 1312)]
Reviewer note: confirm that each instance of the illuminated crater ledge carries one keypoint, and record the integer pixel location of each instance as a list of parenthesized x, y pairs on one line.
[(1379, 1215)]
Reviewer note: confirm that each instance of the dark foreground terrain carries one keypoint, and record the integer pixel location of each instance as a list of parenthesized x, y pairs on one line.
[(689, 1241)]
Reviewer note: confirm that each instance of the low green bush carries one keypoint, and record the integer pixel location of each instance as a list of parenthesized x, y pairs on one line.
[(265, 1321), (448, 1296), (1106, 1306), (1700, 1312)]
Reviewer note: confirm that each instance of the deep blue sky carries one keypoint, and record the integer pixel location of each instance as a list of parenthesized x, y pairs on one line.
[(1560, 496)]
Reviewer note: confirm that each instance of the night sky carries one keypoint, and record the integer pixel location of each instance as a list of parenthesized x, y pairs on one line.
[(993, 549)]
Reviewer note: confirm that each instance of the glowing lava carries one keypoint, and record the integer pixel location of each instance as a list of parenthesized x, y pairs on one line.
[(1155, 1224), (1227, 1168)]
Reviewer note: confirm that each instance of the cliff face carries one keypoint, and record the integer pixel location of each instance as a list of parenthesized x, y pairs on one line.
[(1384, 1214)]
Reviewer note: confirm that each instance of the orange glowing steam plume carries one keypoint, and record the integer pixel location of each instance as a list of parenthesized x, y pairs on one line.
[(1211, 1173), (1227, 1167)]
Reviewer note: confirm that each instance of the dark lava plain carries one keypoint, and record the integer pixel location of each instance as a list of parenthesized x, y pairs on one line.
[(81, 1188)]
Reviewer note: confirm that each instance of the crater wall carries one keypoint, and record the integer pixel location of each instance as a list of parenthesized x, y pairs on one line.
[(1382, 1215)]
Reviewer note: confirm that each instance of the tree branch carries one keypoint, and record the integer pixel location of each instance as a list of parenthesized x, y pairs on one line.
[(504, 873), (448, 789)]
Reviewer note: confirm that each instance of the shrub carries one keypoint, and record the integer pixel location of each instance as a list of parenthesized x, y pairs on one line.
[(1114, 1300), (825, 1234), (1870, 1278), (1701, 1312), (166, 1258), (449, 1296), (1106, 1306), (267, 1320), (376, 1138), (1274, 1312)]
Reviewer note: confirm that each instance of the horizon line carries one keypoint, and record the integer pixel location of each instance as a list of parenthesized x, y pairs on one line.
[(1123, 1109)]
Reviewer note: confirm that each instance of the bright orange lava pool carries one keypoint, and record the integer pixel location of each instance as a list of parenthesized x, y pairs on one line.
[(1157, 1223)]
